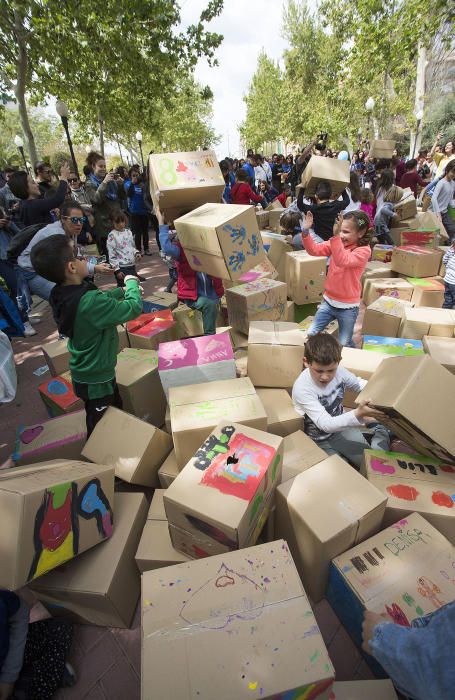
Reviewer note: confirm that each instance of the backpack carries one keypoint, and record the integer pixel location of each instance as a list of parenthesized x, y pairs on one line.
[(20, 241)]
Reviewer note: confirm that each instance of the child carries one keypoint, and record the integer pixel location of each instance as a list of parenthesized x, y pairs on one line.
[(385, 214), (270, 193), (350, 251), (411, 177), (367, 203), (443, 196), (89, 318), (324, 211), (241, 192), (449, 278), (121, 249), (318, 395)]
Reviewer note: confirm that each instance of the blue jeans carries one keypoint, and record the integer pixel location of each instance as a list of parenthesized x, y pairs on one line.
[(449, 296), (346, 321), (351, 444), (37, 284), (209, 310)]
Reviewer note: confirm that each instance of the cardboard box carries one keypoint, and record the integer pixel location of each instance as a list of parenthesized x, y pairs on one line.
[(168, 470), (180, 182), (57, 356), (241, 362), (416, 394), (361, 363), (221, 240), (123, 340), (282, 418), (167, 420), (332, 487), (414, 483), (305, 276), (238, 340), (427, 292), (304, 327), (414, 261), (188, 321), (52, 512), (275, 352), (263, 300), (336, 172), (276, 248), (300, 453), (221, 498), (133, 447), (101, 587), (384, 316), (423, 221), (364, 690), (58, 396), (158, 302), (382, 148), (377, 269), (258, 272), (428, 321), (147, 331), (424, 238), (196, 360), (155, 548), (205, 619), (401, 572), (197, 409), (393, 287), (381, 252), (406, 208), (262, 218), (290, 311), (392, 346), (58, 438), (274, 219), (139, 384), (442, 350)]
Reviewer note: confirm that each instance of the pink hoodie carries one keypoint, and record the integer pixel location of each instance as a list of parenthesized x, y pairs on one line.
[(345, 269)]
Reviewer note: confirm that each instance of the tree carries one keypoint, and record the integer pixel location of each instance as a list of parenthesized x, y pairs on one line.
[(48, 133), (263, 116)]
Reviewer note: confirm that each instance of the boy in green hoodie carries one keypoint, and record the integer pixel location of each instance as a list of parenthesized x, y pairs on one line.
[(89, 317)]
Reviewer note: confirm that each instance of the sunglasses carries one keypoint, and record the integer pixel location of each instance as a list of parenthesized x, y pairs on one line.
[(76, 219)]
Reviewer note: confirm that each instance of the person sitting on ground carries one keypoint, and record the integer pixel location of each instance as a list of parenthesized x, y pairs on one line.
[(241, 192), (123, 254), (324, 210), (43, 177), (318, 395), (34, 209), (411, 177), (89, 318), (442, 197), (270, 194), (367, 203), (385, 215)]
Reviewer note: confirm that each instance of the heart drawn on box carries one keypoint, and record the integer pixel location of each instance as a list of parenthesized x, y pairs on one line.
[(181, 167), (196, 261), (30, 434)]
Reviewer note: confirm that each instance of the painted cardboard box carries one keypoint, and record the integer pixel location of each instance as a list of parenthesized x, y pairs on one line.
[(180, 182), (221, 240), (53, 511), (275, 353), (58, 438), (414, 483), (276, 248), (263, 300), (424, 238), (258, 272), (57, 356), (336, 172), (168, 470), (147, 331), (405, 571), (197, 409), (384, 316), (158, 301), (58, 397), (416, 395), (382, 148), (305, 277), (300, 453), (394, 287), (196, 360), (442, 350), (262, 218), (134, 448), (427, 292), (102, 586), (188, 321), (424, 220), (304, 327), (406, 208), (364, 690), (139, 384), (376, 269), (428, 321), (382, 252), (282, 418), (414, 261), (209, 616), (356, 510), (155, 548), (392, 346)]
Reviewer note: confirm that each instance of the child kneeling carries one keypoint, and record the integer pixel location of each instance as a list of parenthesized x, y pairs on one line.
[(318, 395)]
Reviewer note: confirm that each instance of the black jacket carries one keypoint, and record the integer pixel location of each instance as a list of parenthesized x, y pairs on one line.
[(324, 214)]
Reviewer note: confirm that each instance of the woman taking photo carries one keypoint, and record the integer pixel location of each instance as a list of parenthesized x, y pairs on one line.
[(106, 193)]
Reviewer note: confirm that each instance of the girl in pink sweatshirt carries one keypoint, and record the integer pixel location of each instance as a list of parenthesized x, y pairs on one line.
[(349, 253)]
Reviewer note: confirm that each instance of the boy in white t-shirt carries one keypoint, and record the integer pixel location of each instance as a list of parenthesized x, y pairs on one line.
[(318, 395)]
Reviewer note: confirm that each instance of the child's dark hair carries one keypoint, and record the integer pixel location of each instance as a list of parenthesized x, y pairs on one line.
[(411, 164), (362, 223), (323, 190), (18, 184), (366, 195), (322, 348), (386, 180), (448, 169), (241, 175), (289, 221), (119, 216), (51, 256), (354, 186)]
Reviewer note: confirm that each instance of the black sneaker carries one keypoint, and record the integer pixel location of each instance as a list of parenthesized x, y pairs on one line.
[(141, 279)]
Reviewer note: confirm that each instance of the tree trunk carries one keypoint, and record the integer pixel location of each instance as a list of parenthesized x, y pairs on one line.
[(21, 84), (416, 134), (100, 119)]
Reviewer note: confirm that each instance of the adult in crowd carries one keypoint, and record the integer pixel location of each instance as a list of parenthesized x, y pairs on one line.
[(249, 167), (106, 192), (398, 165), (383, 185), (78, 194), (229, 180), (44, 176), (8, 201), (139, 217), (262, 170), (411, 177), (34, 208), (443, 196), (442, 157)]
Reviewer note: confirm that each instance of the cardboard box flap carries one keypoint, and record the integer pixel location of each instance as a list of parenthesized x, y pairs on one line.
[(440, 349), (431, 316), (390, 306), (133, 363), (36, 477), (212, 215), (275, 333), (189, 352), (255, 287), (299, 448), (211, 391), (362, 362), (156, 510)]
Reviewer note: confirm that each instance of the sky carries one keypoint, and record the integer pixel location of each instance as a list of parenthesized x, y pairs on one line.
[(248, 26)]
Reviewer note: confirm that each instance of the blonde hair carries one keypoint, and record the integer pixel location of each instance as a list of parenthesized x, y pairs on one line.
[(394, 194)]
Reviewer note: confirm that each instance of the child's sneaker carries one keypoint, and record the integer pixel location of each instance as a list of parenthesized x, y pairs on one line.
[(28, 329)]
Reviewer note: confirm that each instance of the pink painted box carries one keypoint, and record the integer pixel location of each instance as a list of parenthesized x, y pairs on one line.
[(195, 360), (59, 438), (147, 331)]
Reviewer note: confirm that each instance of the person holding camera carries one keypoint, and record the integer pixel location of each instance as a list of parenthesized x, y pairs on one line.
[(106, 192), (139, 217)]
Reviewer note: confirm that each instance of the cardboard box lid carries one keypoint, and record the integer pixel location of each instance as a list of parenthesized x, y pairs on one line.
[(156, 545), (427, 314), (133, 364), (390, 283), (275, 333), (210, 616), (427, 283), (303, 255), (415, 250), (156, 510), (376, 342), (189, 352), (363, 690), (203, 166), (34, 478), (278, 405), (255, 287), (213, 215), (302, 450), (55, 348), (361, 362), (53, 433), (169, 466), (390, 306), (210, 391), (151, 324), (440, 349), (333, 486)]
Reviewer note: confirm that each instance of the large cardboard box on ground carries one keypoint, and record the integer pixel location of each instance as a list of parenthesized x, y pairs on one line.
[(381, 252), (384, 316), (423, 221), (362, 363), (396, 288), (274, 219), (427, 292), (364, 690), (304, 327), (305, 277), (52, 511), (428, 321), (101, 587), (275, 353), (322, 512), (57, 356), (282, 418), (392, 346), (416, 262), (168, 470), (300, 453), (258, 272), (263, 300), (382, 148), (180, 182), (405, 572), (406, 208), (424, 238), (336, 172), (58, 438), (196, 360), (158, 301), (262, 217), (442, 350), (58, 396), (223, 241), (276, 248), (197, 409), (139, 384), (416, 395), (155, 548), (206, 622), (414, 483), (188, 321), (222, 497), (147, 331), (133, 447)]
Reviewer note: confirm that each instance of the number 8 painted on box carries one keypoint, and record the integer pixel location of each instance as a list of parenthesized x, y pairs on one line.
[(167, 175)]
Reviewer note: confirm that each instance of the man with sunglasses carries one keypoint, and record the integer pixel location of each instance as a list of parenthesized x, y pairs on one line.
[(43, 177)]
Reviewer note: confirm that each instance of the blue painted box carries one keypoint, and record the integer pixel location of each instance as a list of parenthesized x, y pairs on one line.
[(393, 346)]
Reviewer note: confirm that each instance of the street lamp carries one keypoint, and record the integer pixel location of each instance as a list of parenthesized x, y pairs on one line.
[(369, 106), (419, 117), (20, 145), (139, 140), (62, 111)]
